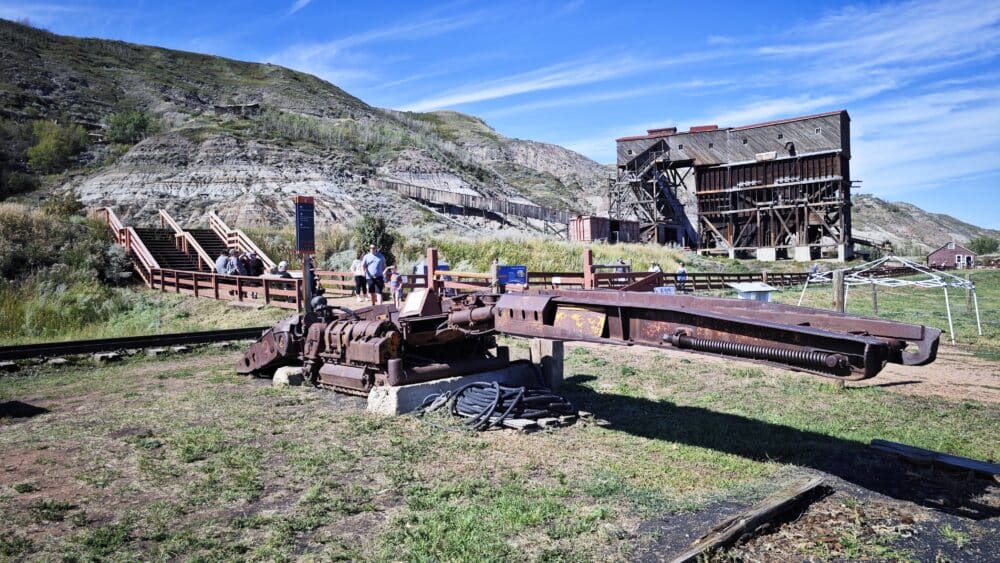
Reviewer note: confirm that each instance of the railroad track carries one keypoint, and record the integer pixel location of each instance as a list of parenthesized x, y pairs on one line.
[(54, 349)]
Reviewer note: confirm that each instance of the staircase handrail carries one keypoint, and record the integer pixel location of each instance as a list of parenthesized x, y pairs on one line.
[(189, 241), (236, 238), (114, 223)]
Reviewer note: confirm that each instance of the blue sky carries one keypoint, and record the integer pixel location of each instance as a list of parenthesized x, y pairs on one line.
[(921, 80)]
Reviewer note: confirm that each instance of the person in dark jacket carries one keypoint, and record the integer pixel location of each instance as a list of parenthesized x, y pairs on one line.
[(256, 265)]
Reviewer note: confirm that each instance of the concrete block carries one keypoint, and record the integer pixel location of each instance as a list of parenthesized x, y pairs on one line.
[(803, 254), (401, 399), (180, 349), (106, 358), (153, 352), (769, 254), (288, 375), (8, 366), (57, 362), (548, 356)]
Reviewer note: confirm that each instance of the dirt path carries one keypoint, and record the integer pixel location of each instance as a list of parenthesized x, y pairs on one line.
[(955, 374)]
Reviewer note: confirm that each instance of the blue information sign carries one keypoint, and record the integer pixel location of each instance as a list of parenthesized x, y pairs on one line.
[(305, 225), (512, 274)]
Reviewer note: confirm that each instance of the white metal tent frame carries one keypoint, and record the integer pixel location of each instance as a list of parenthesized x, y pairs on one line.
[(865, 274)]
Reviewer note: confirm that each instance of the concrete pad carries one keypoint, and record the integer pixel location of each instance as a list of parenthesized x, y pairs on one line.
[(803, 254), (288, 375), (769, 254), (153, 352), (57, 361), (401, 399)]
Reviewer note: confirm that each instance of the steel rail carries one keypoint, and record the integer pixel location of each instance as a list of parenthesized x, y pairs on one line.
[(50, 349)]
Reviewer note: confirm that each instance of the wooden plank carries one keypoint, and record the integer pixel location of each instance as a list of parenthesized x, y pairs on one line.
[(730, 530), (922, 456), (520, 423)]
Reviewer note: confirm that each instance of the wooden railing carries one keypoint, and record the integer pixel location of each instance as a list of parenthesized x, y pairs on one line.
[(141, 257), (235, 238), (279, 292), (185, 241)]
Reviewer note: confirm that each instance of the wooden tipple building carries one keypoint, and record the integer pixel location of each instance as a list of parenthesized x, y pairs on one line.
[(773, 190)]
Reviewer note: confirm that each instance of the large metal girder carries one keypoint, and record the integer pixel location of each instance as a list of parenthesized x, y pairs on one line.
[(831, 344)]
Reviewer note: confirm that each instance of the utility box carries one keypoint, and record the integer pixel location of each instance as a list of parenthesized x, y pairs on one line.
[(753, 291)]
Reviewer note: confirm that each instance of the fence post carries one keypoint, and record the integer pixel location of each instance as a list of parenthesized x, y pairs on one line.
[(588, 268), (874, 298), (239, 288), (968, 294), (195, 283), (267, 291), (839, 304), (432, 260), (215, 285)]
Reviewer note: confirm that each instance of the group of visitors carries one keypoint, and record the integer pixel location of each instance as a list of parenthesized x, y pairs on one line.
[(371, 274), (232, 263)]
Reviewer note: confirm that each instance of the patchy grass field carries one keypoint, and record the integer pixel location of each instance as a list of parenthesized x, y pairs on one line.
[(180, 459), (133, 311)]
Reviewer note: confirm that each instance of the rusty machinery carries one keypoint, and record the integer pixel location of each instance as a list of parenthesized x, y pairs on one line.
[(435, 337)]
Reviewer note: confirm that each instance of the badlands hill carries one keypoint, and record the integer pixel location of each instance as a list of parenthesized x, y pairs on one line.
[(240, 137)]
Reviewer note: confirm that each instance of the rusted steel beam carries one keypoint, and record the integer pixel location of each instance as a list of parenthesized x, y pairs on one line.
[(830, 344)]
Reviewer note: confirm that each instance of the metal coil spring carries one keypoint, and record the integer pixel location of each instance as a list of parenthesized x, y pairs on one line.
[(822, 360)]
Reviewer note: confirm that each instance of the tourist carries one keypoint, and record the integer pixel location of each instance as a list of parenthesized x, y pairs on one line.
[(395, 285), (282, 270), (358, 269), (655, 267), (256, 265), (374, 264), (231, 262), (222, 263), (682, 275)]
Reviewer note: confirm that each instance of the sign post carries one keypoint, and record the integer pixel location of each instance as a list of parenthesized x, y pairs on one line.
[(305, 225), (305, 246)]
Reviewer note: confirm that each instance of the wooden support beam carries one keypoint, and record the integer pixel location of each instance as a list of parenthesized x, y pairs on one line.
[(732, 529), (925, 457)]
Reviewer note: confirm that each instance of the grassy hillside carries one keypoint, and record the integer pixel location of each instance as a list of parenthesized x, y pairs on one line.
[(911, 230), (311, 125)]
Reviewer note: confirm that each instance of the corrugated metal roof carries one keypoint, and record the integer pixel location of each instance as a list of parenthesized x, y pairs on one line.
[(789, 120)]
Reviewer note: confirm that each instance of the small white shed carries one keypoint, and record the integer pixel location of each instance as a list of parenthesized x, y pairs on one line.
[(753, 291)]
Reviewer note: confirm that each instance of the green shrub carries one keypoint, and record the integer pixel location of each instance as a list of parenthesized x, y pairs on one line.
[(984, 245), (129, 126), (32, 240), (373, 230), (55, 146), (13, 183)]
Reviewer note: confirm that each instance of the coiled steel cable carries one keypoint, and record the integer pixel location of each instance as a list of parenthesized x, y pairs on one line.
[(805, 358), (487, 405)]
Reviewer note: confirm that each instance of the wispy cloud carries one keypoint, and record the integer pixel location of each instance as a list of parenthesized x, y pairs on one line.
[(325, 59), (38, 13), (298, 5), (587, 99), (560, 75)]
